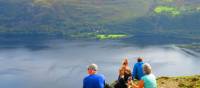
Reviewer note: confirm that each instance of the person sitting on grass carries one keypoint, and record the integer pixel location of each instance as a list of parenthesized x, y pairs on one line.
[(148, 80), (137, 69), (124, 74), (93, 80)]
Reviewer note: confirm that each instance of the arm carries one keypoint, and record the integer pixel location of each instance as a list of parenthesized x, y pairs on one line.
[(84, 84), (140, 85), (134, 71)]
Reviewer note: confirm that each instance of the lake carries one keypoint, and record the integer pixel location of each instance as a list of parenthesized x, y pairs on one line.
[(63, 64)]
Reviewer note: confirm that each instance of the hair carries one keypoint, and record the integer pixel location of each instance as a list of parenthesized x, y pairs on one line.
[(124, 69), (139, 59), (93, 67), (147, 68), (125, 62)]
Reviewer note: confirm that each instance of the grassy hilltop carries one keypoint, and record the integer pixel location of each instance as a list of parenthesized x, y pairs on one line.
[(178, 82)]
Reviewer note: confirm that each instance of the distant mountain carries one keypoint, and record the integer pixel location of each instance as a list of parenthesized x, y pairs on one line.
[(83, 19)]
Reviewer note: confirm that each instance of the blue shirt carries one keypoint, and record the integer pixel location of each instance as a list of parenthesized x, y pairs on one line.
[(94, 81), (138, 70), (149, 81)]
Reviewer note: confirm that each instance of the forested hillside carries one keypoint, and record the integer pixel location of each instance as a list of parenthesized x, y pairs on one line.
[(170, 20)]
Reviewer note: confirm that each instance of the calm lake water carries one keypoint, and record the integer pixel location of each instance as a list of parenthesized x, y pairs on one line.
[(64, 64)]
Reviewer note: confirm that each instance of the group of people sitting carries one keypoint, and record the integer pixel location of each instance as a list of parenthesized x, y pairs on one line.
[(141, 72)]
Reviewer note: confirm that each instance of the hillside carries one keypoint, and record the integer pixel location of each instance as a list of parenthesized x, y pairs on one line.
[(177, 82), (176, 21)]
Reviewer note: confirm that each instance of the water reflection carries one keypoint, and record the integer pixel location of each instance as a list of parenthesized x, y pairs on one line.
[(64, 64)]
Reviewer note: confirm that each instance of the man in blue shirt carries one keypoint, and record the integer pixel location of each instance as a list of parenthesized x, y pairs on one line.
[(93, 80), (138, 69)]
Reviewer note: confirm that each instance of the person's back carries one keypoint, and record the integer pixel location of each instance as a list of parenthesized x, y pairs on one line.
[(149, 81), (124, 74), (94, 81), (138, 69)]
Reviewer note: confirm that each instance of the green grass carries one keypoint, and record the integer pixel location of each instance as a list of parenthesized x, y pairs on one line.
[(110, 36), (179, 82), (175, 82), (171, 10)]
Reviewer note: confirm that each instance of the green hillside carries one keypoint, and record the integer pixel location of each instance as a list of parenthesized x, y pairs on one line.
[(87, 19)]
